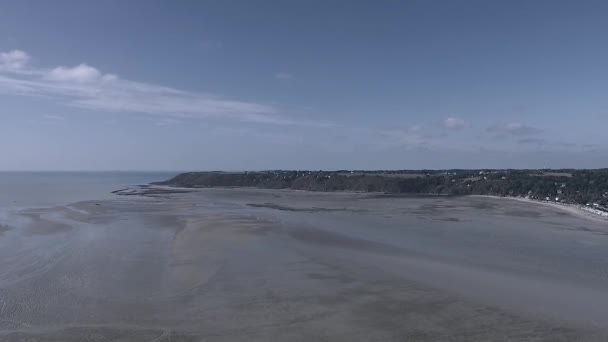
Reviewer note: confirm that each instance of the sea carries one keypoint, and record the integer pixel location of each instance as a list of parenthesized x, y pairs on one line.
[(25, 190)]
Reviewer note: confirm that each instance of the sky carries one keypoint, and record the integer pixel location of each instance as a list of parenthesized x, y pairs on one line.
[(254, 85)]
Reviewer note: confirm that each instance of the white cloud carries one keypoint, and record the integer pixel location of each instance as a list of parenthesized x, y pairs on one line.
[(514, 128), (453, 123), (84, 86), (81, 74), (13, 60), (283, 76)]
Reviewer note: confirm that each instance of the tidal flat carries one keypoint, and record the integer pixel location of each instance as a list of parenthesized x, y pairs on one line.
[(281, 265)]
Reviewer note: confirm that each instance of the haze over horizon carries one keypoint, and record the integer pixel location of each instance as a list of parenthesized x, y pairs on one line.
[(216, 85)]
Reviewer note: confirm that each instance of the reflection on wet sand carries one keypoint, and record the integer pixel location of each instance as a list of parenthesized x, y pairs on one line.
[(260, 265)]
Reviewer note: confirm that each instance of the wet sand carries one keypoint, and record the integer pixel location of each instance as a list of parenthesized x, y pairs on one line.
[(268, 265), (574, 209)]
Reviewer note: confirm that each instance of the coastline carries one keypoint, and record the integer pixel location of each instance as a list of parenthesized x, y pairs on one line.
[(574, 209)]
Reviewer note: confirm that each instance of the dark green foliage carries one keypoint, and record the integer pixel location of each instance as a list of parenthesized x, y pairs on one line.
[(571, 186)]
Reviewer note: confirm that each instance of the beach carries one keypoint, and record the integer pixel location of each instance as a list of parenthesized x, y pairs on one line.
[(574, 209), (163, 264)]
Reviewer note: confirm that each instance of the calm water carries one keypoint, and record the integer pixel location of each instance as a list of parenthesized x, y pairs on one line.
[(45, 189), (264, 265)]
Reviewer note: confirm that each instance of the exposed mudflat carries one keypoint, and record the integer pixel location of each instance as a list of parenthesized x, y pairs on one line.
[(266, 265)]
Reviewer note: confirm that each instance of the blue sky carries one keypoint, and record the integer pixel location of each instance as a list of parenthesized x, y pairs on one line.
[(243, 85)]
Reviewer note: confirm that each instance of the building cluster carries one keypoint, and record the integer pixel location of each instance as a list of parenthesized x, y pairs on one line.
[(596, 210)]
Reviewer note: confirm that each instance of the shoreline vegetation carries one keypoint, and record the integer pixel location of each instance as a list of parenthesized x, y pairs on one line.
[(582, 191)]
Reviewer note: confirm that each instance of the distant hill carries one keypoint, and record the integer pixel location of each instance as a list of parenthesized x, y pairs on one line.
[(567, 186)]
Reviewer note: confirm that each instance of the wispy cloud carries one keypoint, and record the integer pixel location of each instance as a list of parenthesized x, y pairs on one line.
[(13, 60), (53, 117), (78, 74), (453, 123), (210, 44), (84, 86), (409, 137), (167, 122), (531, 141), (283, 76), (514, 129)]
